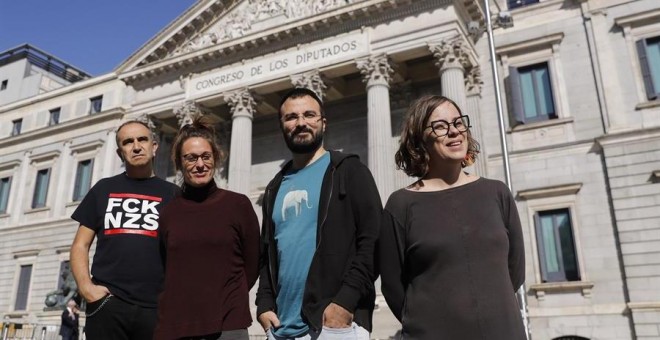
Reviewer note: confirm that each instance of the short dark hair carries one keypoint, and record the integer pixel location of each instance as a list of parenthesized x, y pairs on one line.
[(200, 127), (134, 121), (412, 156), (299, 92)]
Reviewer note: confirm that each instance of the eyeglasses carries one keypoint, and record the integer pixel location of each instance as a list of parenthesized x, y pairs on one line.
[(310, 117), (440, 127), (192, 158)]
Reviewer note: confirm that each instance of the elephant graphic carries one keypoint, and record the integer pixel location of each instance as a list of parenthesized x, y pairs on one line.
[(293, 199)]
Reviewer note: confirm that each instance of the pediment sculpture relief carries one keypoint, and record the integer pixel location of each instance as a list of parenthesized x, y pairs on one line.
[(252, 13)]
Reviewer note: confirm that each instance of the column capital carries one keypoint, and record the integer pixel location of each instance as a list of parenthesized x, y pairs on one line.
[(473, 81), (186, 112), (375, 69), (310, 80), (241, 102), (451, 53), (146, 118)]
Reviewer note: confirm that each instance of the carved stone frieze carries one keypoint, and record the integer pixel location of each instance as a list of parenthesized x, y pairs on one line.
[(376, 69), (451, 53), (186, 112), (473, 81), (145, 118), (241, 21), (241, 102), (310, 80)]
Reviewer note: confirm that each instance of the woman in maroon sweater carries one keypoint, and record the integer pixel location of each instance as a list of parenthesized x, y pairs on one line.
[(210, 244)]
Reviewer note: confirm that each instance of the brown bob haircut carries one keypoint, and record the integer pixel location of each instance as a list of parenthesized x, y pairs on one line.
[(201, 127), (412, 156)]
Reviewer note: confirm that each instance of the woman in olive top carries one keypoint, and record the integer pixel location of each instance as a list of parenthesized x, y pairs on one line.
[(210, 244), (451, 250)]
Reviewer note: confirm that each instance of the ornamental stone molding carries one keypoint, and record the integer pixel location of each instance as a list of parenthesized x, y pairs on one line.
[(311, 80), (186, 112), (473, 81), (376, 69), (451, 53), (253, 13), (146, 119), (241, 102)]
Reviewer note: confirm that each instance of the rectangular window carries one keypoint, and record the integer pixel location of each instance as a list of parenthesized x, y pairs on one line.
[(3, 86), (16, 127), (5, 185), (520, 3), (649, 59), (83, 179), (41, 188), (531, 93), (23, 289), (54, 117), (556, 247), (95, 104)]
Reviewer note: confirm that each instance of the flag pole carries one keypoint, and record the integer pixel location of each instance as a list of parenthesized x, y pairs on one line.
[(505, 152)]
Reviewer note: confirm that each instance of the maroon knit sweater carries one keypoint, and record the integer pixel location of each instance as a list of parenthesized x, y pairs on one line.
[(210, 243)]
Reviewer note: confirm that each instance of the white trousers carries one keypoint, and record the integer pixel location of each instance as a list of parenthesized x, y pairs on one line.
[(354, 332)]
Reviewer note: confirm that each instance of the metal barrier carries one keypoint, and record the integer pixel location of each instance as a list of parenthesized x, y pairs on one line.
[(25, 331)]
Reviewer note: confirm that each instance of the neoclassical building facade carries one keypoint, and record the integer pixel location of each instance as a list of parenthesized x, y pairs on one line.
[(580, 82)]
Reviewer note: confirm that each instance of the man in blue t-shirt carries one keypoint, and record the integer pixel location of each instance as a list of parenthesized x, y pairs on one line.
[(122, 212), (321, 222)]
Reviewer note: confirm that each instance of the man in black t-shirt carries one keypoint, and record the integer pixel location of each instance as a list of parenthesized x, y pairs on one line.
[(122, 213)]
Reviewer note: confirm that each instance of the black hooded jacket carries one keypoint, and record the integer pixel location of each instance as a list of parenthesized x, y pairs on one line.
[(342, 270)]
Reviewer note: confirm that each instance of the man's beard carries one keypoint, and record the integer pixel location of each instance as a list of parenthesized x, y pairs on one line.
[(304, 147)]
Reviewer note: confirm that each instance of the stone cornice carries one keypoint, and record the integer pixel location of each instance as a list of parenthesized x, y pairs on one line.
[(341, 20), (195, 18), (638, 18), (71, 125)]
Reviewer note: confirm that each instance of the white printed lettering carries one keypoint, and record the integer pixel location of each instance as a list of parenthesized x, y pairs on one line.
[(131, 221), (150, 222), (112, 202), (126, 205)]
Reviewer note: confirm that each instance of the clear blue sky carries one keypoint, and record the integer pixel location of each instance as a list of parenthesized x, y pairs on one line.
[(93, 35)]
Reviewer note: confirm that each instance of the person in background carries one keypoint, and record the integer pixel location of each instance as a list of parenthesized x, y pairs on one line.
[(70, 317), (210, 245), (450, 253), (122, 213)]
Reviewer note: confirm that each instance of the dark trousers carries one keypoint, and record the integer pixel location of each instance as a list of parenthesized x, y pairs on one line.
[(239, 334), (119, 320)]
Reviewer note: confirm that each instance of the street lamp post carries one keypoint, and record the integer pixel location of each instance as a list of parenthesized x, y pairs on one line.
[(505, 153)]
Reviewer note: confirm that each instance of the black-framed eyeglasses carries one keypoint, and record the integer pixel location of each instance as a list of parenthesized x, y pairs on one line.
[(192, 158), (440, 127), (311, 117)]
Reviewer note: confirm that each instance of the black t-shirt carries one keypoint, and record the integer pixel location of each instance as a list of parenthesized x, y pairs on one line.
[(124, 214)]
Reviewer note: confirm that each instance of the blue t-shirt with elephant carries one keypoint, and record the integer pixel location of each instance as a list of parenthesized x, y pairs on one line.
[(295, 216)]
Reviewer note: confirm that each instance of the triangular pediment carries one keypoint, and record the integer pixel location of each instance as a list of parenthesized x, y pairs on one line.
[(213, 22)]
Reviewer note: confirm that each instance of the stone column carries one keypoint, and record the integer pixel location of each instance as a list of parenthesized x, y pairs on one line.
[(240, 153), (376, 72), (109, 165), (473, 84), (453, 59), (20, 202), (310, 80), (67, 169)]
